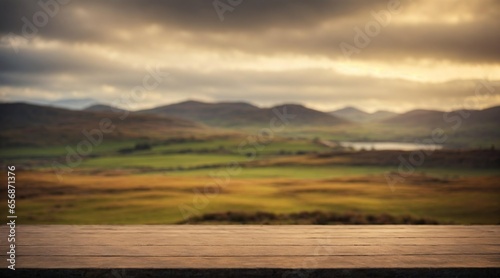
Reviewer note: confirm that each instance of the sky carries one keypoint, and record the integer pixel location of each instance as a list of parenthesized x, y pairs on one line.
[(394, 55)]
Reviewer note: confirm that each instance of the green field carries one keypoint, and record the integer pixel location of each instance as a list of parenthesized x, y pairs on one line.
[(171, 182), (239, 146), (160, 161)]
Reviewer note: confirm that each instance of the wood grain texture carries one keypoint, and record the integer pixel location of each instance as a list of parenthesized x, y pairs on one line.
[(239, 247)]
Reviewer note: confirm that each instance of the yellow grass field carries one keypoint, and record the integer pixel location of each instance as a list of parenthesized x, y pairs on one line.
[(119, 197)]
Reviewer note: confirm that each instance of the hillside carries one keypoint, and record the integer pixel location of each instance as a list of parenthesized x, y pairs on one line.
[(356, 115), (104, 108), (240, 114), (209, 113), (417, 117), (25, 124), (463, 128), (72, 103), (433, 118), (382, 115)]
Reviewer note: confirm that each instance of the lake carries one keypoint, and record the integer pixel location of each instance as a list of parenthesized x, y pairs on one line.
[(389, 146)]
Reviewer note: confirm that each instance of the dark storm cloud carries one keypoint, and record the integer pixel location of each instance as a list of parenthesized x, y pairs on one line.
[(314, 27), (476, 42), (46, 60), (197, 14)]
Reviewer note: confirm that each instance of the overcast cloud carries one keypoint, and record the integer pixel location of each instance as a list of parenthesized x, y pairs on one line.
[(420, 53)]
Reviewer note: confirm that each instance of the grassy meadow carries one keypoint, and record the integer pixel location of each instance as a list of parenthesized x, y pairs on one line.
[(176, 181)]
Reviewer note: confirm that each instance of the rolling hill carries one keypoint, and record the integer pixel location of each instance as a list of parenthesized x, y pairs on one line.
[(240, 114), (209, 113), (24, 124), (355, 115), (463, 128), (104, 108), (65, 103), (72, 103), (433, 118), (382, 115), (419, 117)]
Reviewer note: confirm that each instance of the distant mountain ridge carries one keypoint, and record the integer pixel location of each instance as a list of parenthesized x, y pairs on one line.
[(24, 124), (27, 124), (356, 115), (240, 114), (433, 118), (75, 104), (104, 108), (65, 103)]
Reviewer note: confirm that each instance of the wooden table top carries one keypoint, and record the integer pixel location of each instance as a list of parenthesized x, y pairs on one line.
[(234, 247)]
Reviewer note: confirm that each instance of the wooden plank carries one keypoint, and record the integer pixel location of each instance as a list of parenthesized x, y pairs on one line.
[(187, 246), (291, 262), (158, 240), (265, 231), (341, 233), (224, 250), (279, 228)]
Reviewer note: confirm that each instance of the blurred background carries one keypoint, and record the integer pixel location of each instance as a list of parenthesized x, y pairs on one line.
[(253, 112)]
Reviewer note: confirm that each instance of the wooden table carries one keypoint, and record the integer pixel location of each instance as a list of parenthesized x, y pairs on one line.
[(296, 251)]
